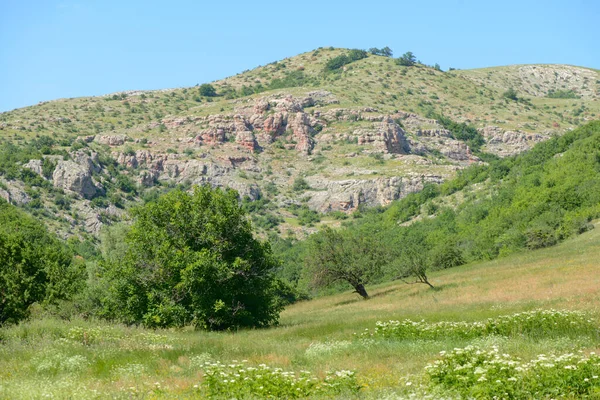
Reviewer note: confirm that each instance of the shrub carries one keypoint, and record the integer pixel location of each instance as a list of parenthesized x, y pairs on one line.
[(207, 90), (192, 259), (510, 94), (34, 265)]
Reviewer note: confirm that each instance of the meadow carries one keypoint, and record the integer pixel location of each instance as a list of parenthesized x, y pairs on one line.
[(522, 326)]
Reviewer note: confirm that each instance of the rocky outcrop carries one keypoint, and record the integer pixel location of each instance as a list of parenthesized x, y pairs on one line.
[(386, 136), (247, 140), (302, 131), (73, 177), (35, 166), (506, 143), (347, 195), (14, 195), (114, 140)]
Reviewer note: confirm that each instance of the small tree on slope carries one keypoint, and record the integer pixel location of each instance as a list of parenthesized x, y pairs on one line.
[(344, 256)]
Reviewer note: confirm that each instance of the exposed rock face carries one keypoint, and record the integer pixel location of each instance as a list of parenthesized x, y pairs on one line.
[(347, 195), (73, 177), (302, 130), (90, 162), (387, 137), (247, 140), (115, 140), (506, 143), (35, 166)]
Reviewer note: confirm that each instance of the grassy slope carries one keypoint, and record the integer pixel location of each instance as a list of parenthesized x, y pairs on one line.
[(129, 365)]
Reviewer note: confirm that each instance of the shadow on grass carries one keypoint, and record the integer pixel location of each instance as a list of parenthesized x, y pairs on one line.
[(436, 289)]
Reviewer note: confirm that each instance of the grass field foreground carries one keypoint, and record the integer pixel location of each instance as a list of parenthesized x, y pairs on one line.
[(327, 341)]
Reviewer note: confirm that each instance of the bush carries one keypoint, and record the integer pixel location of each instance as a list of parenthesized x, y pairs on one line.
[(34, 266), (510, 94), (562, 94), (337, 62), (207, 90), (192, 259)]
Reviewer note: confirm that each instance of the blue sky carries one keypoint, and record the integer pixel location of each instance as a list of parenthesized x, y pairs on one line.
[(55, 49)]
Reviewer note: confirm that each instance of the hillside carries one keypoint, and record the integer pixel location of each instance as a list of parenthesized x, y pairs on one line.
[(89, 359), (312, 146)]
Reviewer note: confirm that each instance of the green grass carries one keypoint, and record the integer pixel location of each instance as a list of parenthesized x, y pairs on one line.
[(93, 359)]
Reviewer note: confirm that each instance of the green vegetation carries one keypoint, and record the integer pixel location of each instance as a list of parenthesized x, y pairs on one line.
[(533, 200), (46, 357), (208, 90), (510, 94), (191, 259), (562, 94), (385, 51), (34, 266), (345, 256), (407, 59), (339, 61)]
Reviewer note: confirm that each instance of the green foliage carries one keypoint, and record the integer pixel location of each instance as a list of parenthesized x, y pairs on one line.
[(536, 324), (338, 62), (533, 200), (510, 94), (192, 258), (300, 185), (461, 131), (207, 90), (386, 51), (473, 372), (345, 256), (562, 94), (305, 215), (240, 380), (34, 266), (407, 59)]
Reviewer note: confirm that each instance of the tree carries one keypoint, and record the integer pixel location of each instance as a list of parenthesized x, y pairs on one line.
[(35, 267), (386, 52), (344, 256), (192, 259), (208, 90), (412, 262), (408, 59)]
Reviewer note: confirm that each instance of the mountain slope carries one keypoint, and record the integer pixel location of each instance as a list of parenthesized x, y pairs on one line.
[(301, 139)]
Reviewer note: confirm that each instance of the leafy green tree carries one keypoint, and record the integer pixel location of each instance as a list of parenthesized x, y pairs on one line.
[(208, 90), (344, 256), (35, 267), (192, 259), (412, 262), (407, 59)]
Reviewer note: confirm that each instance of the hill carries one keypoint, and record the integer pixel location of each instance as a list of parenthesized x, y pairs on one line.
[(312, 144)]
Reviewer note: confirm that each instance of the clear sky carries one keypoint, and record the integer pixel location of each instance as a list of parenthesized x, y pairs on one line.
[(70, 48)]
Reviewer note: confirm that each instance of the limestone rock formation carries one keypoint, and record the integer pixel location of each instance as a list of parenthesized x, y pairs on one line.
[(347, 195), (73, 177), (111, 140), (506, 143), (387, 136)]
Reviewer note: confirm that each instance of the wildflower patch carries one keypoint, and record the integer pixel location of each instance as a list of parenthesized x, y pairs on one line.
[(475, 373), (531, 323), (240, 380)]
